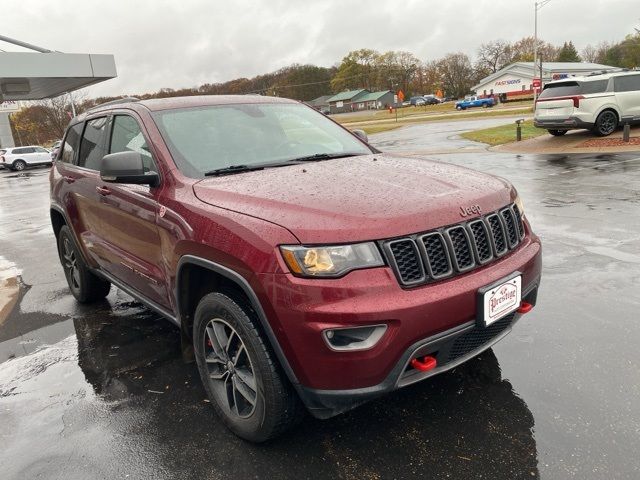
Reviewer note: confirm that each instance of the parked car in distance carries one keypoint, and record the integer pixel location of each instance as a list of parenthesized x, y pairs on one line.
[(431, 100), (293, 281), (474, 101), (417, 100), (599, 102), (19, 158), (54, 149)]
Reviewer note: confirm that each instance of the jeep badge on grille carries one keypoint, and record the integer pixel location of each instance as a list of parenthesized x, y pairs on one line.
[(471, 210)]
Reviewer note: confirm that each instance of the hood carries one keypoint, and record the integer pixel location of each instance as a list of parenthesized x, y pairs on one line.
[(368, 197)]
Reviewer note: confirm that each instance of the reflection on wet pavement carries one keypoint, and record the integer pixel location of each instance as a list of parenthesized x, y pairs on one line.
[(101, 391)]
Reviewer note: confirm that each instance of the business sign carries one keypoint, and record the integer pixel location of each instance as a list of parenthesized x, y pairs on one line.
[(9, 106), (559, 76), (511, 81)]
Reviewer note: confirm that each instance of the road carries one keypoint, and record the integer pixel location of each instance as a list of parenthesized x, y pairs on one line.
[(102, 392)]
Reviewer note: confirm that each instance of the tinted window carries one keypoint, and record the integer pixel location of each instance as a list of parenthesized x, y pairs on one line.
[(71, 143), (41, 150), (29, 150), (17, 151), (628, 83), (92, 145), (562, 89), (126, 136), (599, 86)]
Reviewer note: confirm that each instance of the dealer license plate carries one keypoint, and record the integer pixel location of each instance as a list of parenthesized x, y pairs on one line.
[(502, 299)]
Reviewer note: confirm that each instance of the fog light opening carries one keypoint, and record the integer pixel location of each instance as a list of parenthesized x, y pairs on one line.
[(356, 338)]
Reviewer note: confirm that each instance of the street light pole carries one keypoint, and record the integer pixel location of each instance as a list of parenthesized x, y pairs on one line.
[(537, 6)]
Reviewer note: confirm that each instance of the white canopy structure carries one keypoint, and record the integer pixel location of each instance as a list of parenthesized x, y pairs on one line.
[(46, 74)]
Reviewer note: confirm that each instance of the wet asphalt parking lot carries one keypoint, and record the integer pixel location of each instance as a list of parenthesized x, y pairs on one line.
[(102, 392)]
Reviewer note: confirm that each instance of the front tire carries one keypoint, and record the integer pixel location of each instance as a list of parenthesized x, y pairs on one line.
[(557, 133), (85, 286), (244, 384), (606, 123)]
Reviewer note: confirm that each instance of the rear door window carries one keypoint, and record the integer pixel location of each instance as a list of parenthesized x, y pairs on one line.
[(92, 147), (627, 83), (598, 86), (71, 143)]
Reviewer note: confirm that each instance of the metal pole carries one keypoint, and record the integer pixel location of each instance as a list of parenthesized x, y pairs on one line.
[(535, 46), (73, 107), (24, 44)]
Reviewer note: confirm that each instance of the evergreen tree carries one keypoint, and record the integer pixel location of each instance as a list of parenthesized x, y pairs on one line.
[(568, 53)]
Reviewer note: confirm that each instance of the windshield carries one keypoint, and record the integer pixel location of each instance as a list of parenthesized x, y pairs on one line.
[(207, 138)]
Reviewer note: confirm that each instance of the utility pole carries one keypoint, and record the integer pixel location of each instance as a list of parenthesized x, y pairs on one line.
[(73, 107), (537, 6)]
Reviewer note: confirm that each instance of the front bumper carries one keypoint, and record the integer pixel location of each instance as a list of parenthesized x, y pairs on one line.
[(300, 310), (450, 348), (562, 123)]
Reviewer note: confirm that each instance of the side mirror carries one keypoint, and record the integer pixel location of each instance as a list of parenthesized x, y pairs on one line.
[(127, 167), (361, 135)]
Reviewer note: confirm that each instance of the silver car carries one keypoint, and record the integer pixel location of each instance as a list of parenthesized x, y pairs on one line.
[(19, 158)]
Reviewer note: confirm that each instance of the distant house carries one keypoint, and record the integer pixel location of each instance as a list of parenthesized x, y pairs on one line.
[(344, 101), (374, 100), (320, 103)]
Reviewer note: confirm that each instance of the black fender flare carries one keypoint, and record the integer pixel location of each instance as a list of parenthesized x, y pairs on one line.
[(244, 285)]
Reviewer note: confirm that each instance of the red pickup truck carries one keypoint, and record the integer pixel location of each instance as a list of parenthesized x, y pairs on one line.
[(302, 266)]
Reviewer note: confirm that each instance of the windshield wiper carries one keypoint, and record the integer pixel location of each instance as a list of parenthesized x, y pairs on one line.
[(233, 169), (323, 156)]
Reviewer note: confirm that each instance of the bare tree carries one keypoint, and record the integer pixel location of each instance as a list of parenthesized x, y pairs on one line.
[(494, 55), (589, 54), (457, 74)]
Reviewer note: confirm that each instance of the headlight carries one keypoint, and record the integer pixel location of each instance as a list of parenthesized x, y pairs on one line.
[(331, 261), (520, 205)]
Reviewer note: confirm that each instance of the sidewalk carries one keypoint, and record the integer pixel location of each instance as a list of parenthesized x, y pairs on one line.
[(575, 141)]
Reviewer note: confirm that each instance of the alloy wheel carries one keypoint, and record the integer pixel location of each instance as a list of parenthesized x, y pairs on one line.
[(608, 123), (71, 264), (230, 370)]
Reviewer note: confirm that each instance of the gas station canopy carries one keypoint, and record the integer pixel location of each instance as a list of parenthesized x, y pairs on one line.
[(35, 76)]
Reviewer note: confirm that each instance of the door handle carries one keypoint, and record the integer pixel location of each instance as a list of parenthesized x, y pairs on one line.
[(69, 179), (103, 191)]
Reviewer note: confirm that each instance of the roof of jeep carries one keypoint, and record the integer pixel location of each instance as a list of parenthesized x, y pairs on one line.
[(169, 103)]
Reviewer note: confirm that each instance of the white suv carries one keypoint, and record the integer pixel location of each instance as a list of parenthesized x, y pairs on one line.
[(19, 158), (598, 102)]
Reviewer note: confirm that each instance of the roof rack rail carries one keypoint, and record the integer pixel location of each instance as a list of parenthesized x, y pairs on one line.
[(115, 102), (608, 70)]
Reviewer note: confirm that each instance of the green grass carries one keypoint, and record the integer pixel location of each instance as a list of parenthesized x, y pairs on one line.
[(503, 134), (376, 127), (371, 129)]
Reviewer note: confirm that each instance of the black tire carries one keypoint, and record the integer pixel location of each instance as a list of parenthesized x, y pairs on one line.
[(458, 107), (237, 368), (606, 123), (84, 285), (18, 165), (557, 133)]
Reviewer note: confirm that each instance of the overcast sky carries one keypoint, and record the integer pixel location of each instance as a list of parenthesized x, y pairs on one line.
[(185, 43)]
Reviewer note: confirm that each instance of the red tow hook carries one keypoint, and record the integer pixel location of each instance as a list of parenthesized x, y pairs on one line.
[(427, 363), (525, 307)]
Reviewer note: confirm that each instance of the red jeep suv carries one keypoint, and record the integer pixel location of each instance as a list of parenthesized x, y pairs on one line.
[(303, 266)]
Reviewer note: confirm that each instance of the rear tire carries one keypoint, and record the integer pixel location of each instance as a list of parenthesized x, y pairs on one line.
[(19, 165), (557, 133), (245, 385), (606, 123), (85, 286)]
